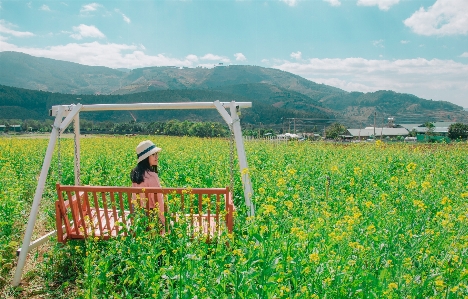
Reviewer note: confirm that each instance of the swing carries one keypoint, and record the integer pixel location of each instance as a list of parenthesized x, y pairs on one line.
[(100, 211), (107, 211)]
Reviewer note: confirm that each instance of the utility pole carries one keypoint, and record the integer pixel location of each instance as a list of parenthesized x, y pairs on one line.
[(381, 132), (375, 115), (360, 131)]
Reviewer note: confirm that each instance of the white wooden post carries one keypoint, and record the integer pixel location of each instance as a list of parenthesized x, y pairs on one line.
[(37, 198), (244, 167), (76, 128)]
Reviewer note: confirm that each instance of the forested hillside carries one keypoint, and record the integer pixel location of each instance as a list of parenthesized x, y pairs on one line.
[(17, 103)]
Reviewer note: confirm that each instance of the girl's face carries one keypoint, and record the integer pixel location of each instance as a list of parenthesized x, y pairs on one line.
[(153, 159)]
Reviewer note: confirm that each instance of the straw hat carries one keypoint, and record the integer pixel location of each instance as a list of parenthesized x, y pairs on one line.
[(145, 149)]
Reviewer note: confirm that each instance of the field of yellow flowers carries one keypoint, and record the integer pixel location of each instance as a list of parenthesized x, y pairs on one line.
[(332, 221)]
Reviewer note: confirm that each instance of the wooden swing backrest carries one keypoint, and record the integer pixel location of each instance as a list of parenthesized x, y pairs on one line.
[(104, 212)]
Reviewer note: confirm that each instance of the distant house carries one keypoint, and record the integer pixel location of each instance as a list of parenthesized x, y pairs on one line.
[(14, 128), (439, 129), (384, 132), (288, 136), (410, 127)]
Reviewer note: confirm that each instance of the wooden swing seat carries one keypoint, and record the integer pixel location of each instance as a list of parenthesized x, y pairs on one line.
[(106, 212)]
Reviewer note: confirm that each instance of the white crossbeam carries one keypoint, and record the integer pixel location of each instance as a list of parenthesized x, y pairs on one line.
[(148, 106)]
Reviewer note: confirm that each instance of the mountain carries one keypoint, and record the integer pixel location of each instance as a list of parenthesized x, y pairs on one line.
[(406, 108), (26, 71), (281, 94)]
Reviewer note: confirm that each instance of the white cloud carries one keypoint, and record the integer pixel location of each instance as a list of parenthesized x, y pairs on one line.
[(333, 2), (296, 55), (213, 57), (86, 31), (125, 18), (290, 2), (445, 17), (378, 43), (240, 57), (110, 55), (45, 7), (192, 58), (382, 4), (90, 7), (430, 79), (265, 61), (464, 54), (6, 27), (29, 4), (404, 41)]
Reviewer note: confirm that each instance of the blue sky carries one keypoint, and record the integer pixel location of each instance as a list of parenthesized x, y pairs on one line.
[(411, 46)]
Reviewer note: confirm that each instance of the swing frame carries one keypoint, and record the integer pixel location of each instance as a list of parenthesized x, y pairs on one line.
[(65, 114)]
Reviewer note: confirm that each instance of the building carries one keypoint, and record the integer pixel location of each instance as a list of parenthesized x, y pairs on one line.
[(11, 128), (369, 132)]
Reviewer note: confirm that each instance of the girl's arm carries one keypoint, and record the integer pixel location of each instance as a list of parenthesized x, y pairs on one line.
[(160, 202)]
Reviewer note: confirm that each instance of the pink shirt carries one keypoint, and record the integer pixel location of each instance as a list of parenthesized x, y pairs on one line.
[(151, 179)]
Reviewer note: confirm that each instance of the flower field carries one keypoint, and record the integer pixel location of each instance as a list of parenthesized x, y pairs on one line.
[(332, 221)]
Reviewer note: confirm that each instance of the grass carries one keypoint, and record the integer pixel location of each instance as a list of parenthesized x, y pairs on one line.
[(357, 220)]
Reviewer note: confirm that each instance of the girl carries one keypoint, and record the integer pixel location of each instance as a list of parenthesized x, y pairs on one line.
[(145, 174)]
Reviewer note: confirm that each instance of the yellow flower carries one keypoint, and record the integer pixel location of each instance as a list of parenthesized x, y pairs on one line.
[(445, 200), (411, 185), (371, 229), (334, 168), (357, 171), (419, 204), (368, 204), (464, 272), (280, 182), (393, 286), (269, 209), (439, 283), (314, 257), (411, 166), (425, 185), (327, 281), (288, 204)]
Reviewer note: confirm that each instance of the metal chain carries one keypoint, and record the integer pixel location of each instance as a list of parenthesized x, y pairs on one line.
[(231, 169)]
